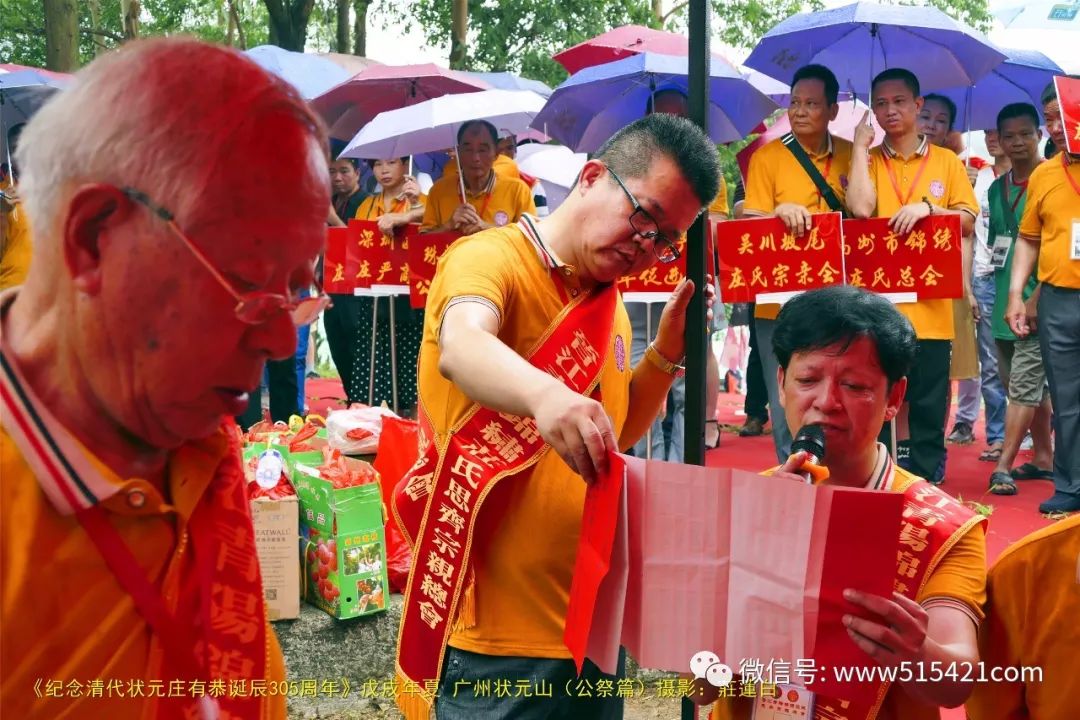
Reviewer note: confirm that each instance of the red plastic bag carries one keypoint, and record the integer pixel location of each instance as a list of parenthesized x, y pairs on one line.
[(397, 453)]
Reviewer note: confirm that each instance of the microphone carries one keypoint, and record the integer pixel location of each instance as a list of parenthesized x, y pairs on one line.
[(811, 439)]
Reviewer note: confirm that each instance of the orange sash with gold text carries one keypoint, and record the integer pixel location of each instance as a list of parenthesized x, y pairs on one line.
[(437, 503)]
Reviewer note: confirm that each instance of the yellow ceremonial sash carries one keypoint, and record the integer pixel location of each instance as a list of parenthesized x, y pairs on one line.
[(438, 501)]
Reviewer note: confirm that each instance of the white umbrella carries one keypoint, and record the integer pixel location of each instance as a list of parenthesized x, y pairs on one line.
[(551, 164), (433, 124)]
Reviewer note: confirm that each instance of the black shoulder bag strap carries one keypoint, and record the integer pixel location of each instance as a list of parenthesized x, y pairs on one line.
[(814, 174)]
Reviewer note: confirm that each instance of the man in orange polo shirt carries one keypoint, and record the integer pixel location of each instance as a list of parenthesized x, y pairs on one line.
[(1050, 238), (906, 179), (498, 301), (162, 282), (778, 185), (491, 200)]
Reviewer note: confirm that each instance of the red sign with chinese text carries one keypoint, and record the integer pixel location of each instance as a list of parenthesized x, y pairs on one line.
[(424, 252), (339, 266), (1068, 93), (759, 255), (926, 261), (663, 278)]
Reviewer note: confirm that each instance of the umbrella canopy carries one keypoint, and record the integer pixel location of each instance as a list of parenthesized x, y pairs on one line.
[(622, 42), (1046, 15), (354, 103), (433, 124), (1021, 78), (510, 81), (311, 75), (860, 40), (352, 64), (593, 104), (23, 91), (551, 164)]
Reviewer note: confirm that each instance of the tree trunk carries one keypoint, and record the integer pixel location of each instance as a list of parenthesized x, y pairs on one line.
[(360, 28), (342, 41), (129, 17), (95, 24), (288, 22), (658, 10), (61, 35), (234, 16), (459, 35)]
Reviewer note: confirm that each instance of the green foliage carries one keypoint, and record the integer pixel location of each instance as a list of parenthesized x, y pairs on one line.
[(975, 13), (522, 35), (743, 22)]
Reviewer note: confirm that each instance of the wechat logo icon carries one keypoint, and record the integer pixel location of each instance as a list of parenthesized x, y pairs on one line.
[(706, 666)]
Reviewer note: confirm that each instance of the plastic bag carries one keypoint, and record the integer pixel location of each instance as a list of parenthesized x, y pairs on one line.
[(356, 431), (397, 453)]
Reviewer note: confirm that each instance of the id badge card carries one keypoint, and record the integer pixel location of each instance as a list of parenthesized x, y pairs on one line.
[(1000, 251), (1074, 252), (789, 703)]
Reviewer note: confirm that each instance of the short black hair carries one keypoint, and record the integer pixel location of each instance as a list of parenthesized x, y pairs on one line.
[(822, 73), (352, 161), (1050, 92), (631, 151), (839, 315), (371, 163), (1017, 110), (483, 123), (650, 104), (906, 76), (949, 105)]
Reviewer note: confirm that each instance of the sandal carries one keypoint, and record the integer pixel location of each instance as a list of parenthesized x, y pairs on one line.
[(718, 433), (1001, 483), (1031, 471), (991, 454)]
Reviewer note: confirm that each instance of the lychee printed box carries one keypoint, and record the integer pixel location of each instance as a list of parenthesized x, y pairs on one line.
[(342, 545)]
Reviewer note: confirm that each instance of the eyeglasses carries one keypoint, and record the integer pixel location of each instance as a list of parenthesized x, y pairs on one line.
[(253, 308), (646, 227)]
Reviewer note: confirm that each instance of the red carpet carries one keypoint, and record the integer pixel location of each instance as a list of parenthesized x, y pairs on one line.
[(966, 477)]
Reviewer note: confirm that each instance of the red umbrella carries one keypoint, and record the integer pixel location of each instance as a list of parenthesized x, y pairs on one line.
[(620, 43), (354, 103)]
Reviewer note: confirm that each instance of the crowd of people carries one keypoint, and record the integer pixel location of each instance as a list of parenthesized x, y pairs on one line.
[(162, 281)]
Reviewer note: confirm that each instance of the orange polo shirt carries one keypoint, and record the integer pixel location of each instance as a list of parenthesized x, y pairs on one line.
[(373, 207), (503, 167), (501, 202), (66, 618), (1031, 618), (944, 182), (775, 177), (526, 537), (15, 246), (958, 580), (1051, 214), (719, 204)]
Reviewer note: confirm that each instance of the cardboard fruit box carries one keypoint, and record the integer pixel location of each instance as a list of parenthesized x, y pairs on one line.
[(277, 526), (342, 542)]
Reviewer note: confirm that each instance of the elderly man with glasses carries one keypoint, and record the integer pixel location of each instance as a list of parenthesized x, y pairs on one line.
[(526, 386), (162, 281)]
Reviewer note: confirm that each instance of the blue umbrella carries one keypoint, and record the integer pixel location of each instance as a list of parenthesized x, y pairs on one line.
[(510, 81), (1021, 78), (594, 103), (24, 91), (310, 74), (860, 40)]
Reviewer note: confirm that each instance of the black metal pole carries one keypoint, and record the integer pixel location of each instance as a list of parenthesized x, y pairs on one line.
[(696, 248)]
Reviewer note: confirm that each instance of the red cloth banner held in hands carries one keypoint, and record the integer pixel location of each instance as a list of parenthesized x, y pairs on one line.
[(927, 261), (423, 256), (1068, 93), (759, 255)]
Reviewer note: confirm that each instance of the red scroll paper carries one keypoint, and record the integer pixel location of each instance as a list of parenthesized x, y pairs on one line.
[(339, 263), (759, 256), (1068, 92), (658, 282), (424, 253), (762, 583), (926, 261)]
